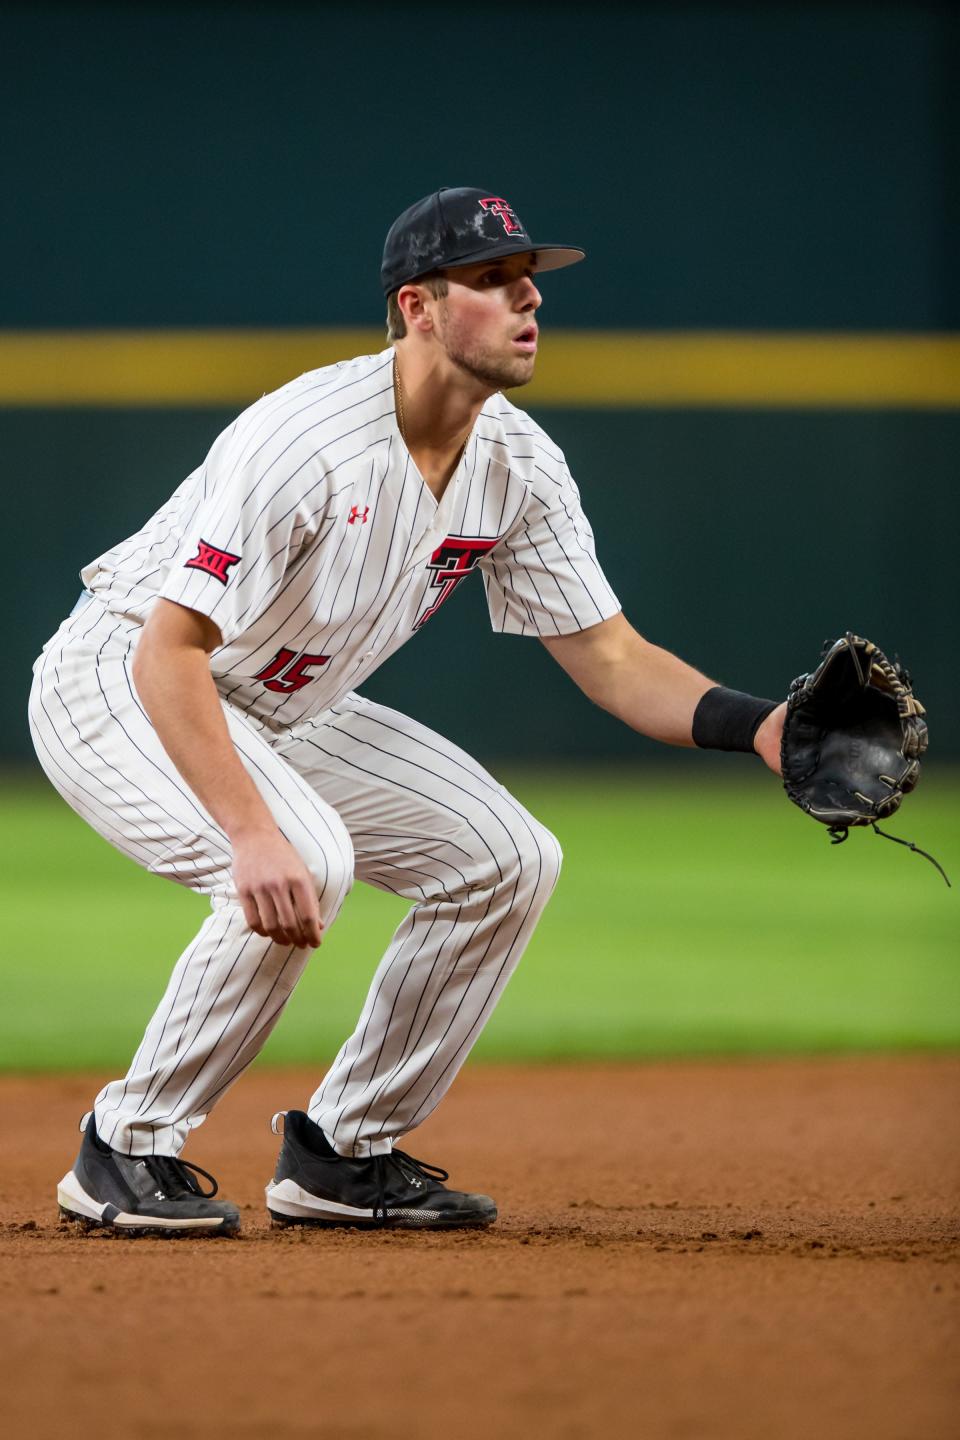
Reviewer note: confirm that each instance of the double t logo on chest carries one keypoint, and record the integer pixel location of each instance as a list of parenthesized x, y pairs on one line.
[(450, 563)]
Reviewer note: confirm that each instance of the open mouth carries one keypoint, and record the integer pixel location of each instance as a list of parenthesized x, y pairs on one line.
[(527, 339)]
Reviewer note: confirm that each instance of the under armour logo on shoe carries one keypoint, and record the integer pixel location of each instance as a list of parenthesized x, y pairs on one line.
[(355, 515)]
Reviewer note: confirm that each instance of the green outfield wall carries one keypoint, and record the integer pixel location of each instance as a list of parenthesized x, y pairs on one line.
[(755, 376), (739, 538), (769, 166)]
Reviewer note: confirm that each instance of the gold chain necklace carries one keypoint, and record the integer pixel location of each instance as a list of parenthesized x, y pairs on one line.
[(399, 389), (400, 421)]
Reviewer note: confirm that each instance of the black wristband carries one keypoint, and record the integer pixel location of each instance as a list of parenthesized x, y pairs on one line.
[(728, 720)]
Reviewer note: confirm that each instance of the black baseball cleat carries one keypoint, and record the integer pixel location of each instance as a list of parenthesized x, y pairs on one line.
[(141, 1194), (313, 1185)]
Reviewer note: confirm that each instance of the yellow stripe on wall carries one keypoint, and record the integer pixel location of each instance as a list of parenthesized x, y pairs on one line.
[(603, 369), (178, 368), (739, 369)]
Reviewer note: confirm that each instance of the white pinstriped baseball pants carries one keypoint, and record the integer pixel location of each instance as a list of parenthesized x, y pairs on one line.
[(361, 790)]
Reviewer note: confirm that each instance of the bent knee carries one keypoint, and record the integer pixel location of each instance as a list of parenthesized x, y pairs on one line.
[(551, 855), (331, 869), (538, 856)]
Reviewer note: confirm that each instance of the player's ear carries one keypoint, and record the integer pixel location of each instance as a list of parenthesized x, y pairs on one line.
[(413, 302)]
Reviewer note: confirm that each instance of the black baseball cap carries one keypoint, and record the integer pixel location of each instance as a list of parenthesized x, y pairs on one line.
[(460, 227)]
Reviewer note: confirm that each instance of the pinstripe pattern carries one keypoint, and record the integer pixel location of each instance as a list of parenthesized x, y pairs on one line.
[(230, 985), (278, 489), (337, 553), (413, 814), (480, 870)]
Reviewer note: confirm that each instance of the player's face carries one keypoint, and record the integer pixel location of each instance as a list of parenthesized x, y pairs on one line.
[(487, 321)]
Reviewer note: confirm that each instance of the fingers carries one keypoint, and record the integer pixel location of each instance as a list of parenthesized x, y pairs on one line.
[(289, 916), (298, 916), (298, 929), (260, 913), (251, 913), (276, 891), (307, 910), (286, 930)]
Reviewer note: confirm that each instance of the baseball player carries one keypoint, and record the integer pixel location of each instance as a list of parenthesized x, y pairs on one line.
[(200, 709)]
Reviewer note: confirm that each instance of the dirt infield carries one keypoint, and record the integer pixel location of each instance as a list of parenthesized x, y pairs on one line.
[(746, 1249)]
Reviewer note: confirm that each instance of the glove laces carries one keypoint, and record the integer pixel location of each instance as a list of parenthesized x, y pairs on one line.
[(839, 833)]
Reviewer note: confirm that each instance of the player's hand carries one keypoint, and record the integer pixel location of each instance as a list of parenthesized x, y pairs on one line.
[(766, 742), (276, 890)]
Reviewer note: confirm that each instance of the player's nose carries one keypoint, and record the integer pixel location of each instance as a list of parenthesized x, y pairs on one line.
[(528, 296)]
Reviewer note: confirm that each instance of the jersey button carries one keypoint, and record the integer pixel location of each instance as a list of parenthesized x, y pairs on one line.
[(369, 654)]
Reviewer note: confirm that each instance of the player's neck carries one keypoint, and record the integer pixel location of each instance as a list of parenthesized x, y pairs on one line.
[(436, 412), (437, 405)]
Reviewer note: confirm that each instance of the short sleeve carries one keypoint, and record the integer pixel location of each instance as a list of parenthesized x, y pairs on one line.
[(236, 549), (544, 577)]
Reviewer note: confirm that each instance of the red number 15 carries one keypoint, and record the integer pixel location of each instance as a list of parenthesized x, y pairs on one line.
[(283, 676)]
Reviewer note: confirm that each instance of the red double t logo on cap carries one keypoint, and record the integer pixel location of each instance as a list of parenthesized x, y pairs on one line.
[(504, 213)]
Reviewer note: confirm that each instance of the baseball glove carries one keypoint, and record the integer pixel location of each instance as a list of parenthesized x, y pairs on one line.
[(852, 739)]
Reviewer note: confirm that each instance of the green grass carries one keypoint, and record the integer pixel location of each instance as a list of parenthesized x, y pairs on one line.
[(698, 913)]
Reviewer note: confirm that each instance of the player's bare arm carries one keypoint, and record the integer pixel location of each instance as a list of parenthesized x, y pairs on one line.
[(172, 673), (285, 569), (645, 686)]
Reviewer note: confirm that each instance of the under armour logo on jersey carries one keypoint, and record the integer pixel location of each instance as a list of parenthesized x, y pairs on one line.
[(504, 213), (355, 515), (213, 561), (452, 562)]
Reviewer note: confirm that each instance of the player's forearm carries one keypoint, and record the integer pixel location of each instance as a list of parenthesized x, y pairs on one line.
[(652, 691), (648, 688), (177, 690)]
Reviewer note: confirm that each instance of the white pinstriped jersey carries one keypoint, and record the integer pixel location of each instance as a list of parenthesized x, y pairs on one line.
[(309, 537)]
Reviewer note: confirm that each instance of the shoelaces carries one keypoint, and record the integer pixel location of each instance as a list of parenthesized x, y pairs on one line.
[(175, 1178), (409, 1168)]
